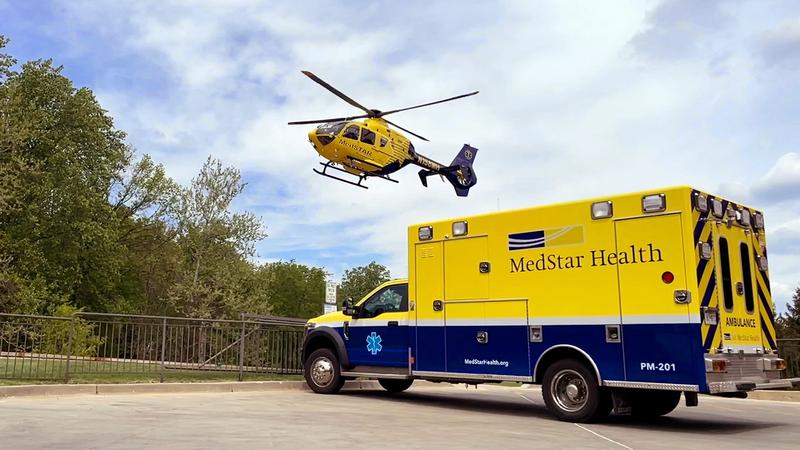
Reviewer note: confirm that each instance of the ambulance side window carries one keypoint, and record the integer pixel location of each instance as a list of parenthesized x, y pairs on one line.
[(389, 299)]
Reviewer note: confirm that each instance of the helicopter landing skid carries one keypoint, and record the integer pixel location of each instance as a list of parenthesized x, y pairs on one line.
[(328, 165)]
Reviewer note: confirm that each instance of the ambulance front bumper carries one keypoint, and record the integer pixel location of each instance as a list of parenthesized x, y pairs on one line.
[(721, 387)]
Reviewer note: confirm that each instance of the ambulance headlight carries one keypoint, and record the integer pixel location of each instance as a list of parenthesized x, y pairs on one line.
[(701, 203), (460, 228), (654, 203), (705, 250), (716, 208), (758, 221), (425, 233), (744, 217), (762, 263), (602, 210)]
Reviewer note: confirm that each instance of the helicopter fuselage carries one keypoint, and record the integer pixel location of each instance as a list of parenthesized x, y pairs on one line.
[(366, 147)]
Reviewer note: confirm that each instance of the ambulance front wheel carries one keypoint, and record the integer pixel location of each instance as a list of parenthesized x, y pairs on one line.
[(571, 392), (395, 386), (323, 373)]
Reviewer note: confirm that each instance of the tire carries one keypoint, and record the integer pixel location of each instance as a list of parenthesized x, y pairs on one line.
[(395, 386), (322, 372), (647, 404), (571, 392)]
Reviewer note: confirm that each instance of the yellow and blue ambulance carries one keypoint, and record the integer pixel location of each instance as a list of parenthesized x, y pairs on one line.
[(619, 303)]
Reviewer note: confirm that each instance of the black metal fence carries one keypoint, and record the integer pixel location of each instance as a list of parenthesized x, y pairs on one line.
[(97, 345), (789, 350)]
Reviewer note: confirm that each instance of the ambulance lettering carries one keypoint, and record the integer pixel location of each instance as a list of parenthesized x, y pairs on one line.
[(738, 322), (658, 367), (596, 258)]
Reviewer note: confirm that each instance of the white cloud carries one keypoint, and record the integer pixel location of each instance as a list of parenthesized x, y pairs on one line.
[(780, 46), (576, 100), (782, 181)]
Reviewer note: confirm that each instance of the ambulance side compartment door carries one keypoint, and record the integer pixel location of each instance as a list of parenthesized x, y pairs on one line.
[(660, 339)]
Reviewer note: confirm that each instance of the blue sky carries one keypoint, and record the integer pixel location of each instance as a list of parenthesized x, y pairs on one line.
[(577, 100)]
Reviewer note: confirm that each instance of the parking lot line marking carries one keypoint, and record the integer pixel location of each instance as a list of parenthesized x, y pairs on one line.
[(526, 398), (602, 437)]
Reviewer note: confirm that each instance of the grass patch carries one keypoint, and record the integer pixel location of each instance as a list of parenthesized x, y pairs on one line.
[(18, 371)]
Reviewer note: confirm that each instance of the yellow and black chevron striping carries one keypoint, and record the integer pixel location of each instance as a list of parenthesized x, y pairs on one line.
[(706, 277), (708, 285), (765, 302)]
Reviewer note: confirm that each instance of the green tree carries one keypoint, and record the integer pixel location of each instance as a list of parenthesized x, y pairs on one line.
[(215, 242), (63, 154), (294, 290), (788, 324), (359, 281)]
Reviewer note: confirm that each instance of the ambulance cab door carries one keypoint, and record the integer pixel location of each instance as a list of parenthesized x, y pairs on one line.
[(657, 331), (378, 335), (428, 311)]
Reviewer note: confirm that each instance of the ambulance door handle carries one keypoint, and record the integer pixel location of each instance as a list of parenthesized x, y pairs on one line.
[(482, 337), (683, 297), (437, 305)]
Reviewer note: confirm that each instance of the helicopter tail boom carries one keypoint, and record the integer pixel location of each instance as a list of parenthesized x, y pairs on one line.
[(459, 173)]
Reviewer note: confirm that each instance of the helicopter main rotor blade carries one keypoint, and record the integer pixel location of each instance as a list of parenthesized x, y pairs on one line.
[(386, 113), (407, 131), (337, 92), (337, 119)]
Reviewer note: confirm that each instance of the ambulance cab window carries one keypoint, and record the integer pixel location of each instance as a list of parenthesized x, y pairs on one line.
[(367, 136), (351, 132), (725, 263), (389, 299)]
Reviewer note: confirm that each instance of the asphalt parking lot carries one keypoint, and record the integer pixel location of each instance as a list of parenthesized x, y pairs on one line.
[(428, 416)]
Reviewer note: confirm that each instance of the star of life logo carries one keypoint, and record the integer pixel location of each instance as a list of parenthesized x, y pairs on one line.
[(374, 343)]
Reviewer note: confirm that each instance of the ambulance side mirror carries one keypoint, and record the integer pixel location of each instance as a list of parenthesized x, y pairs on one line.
[(347, 308)]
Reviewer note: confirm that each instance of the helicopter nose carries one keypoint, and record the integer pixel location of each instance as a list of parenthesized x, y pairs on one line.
[(319, 139)]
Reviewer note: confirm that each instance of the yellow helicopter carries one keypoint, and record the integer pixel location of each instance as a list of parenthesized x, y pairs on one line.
[(370, 148)]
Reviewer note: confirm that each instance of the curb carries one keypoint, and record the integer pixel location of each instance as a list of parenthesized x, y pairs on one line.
[(780, 396), (165, 388)]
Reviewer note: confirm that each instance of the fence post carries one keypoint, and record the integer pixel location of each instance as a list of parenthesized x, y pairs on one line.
[(163, 349), (69, 347), (241, 351)]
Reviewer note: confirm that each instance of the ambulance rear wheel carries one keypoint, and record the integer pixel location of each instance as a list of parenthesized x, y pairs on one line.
[(650, 404), (395, 386), (322, 372), (571, 392)]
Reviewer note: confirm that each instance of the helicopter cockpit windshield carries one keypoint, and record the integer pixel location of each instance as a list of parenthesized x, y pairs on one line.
[(327, 131), (331, 128)]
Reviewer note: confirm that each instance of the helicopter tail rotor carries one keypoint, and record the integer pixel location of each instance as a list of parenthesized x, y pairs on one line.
[(459, 173)]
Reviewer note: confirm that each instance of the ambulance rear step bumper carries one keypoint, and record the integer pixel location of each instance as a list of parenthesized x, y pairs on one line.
[(721, 387)]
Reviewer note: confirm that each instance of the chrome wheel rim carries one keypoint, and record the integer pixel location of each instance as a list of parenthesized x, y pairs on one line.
[(569, 390), (322, 371)]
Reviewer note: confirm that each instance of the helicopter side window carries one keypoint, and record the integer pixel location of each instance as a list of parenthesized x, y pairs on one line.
[(351, 132), (383, 142), (367, 136)]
